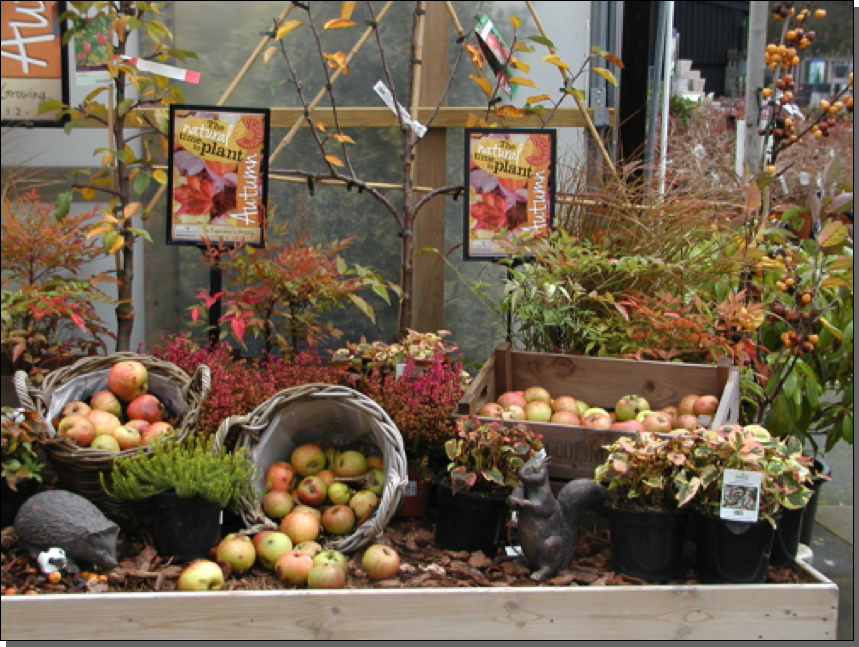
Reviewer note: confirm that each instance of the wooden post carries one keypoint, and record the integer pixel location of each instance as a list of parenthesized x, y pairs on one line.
[(428, 312)]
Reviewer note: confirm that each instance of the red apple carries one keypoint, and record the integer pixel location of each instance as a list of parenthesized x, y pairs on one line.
[(538, 411), (687, 421), (75, 406), (307, 459), (380, 562), (338, 519), (326, 576), (312, 548), (309, 509), (657, 423), (146, 407), (597, 420), (293, 566), (105, 423), (277, 503), (279, 476), (127, 379), (300, 526), (513, 412), (349, 464), (687, 404), (375, 462), (565, 403), (238, 551), (512, 398), (157, 431), (491, 410), (106, 401), (201, 575), (78, 428), (140, 425), (705, 405), (566, 418), (127, 437), (537, 394), (311, 490), (271, 547), (628, 425), (257, 538)]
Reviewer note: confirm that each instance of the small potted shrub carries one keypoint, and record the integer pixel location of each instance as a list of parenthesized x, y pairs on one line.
[(648, 526), (188, 483), (739, 551), (21, 459), (484, 462)]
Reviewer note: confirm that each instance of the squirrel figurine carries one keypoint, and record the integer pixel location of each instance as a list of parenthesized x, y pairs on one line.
[(548, 526)]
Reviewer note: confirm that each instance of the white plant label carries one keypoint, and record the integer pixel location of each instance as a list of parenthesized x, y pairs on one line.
[(382, 90), (741, 494)]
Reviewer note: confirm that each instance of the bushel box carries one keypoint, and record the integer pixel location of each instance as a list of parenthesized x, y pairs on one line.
[(577, 450)]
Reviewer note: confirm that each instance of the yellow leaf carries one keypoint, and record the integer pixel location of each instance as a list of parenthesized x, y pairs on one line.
[(159, 176), (537, 98), (833, 282), (483, 83), (510, 111), (287, 28), (556, 61), (517, 23), (521, 46), (343, 139), (106, 160), (333, 159), (118, 244), (474, 121), (475, 55), (98, 231), (753, 198), (87, 193), (320, 126), (521, 80), (604, 73), (269, 52), (346, 10), (520, 65), (131, 209), (338, 23)]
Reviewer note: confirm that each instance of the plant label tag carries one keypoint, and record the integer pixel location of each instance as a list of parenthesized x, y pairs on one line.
[(741, 494)]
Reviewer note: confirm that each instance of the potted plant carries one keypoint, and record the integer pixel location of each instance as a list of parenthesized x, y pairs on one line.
[(648, 526), (188, 483), (483, 469), (21, 459), (718, 482)]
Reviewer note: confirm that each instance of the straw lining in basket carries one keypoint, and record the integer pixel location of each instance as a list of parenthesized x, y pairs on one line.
[(342, 416)]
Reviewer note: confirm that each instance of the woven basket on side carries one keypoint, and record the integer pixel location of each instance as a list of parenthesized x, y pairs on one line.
[(78, 468), (341, 416)]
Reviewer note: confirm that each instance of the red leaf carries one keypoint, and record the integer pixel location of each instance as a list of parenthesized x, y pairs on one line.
[(238, 327), (79, 322)]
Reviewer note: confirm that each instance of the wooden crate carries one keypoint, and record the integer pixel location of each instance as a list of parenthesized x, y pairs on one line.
[(576, 450), (807, 611)]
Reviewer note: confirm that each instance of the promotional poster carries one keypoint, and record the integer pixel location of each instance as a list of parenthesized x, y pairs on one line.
[(509, 186), (218, 175), (33, 62)]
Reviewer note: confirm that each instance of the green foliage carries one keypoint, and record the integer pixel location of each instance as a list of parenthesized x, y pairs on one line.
[(193, 467), (20, 457), (486, 456)]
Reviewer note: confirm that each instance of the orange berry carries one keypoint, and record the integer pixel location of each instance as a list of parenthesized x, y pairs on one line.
[(820, 13), (55, 577)]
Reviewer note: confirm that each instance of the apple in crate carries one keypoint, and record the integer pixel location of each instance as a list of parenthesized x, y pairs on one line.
[(77, 428), (629, 406), (201, 575), (300, 526), (566, 418), (565, 403), (312, 490), (512, 398), (277, 503), (106, 401), (238, 551), (127, 437), (307, 459), (338, 519), (326, 576), (380, 562), (349, 464), (538, 411), (279, 476), (146, 407), (106, 443), (105, 423), (293, 567), (78, 407), (705, 405), (537, 394), (271, 547), (491, 410), (127, 379), (332, 556)]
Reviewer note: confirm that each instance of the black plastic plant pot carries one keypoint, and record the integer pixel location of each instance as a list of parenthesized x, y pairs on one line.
[(731, 551), (469, 522), (12, 500), (787, 537), (648, 544), (821, 469), (185, 527)]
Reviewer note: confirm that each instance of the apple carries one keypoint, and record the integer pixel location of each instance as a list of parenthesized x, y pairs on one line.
[(628, 425), (380, 562), (146, 407), (127, 437), (127, 379), (78, 428), (332, 556), (538, 411), (106, 443), (513, 412), (327, 476), (705, 405), (375, 462), (106, 401), (510, 398), (103, 421), (257, 538), (279, 476), (349, 464), (307, 459), (643, 414), (340, 492), (592, 410), (155, 432), (300, 526), (140, 425), (686, 405), (293, 566), (671, 412), (687, 421), (378, 483), (597, 420), (657, 423), (566, 418), (491, 410), (338, 519), (311, 490), (565, 403), (271, 547), (582, 406), (326, 576), (277, 503), (310, 547), (309, 509), (363, 503), (201, 575), (537, 394), (238, 551), (78, 407), (629, 406)]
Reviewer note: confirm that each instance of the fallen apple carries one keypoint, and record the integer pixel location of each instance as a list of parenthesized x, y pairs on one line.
[(380, 562), (238, 551), (293, 567), (201, 575), (300, 526), (326, 576), (271, 547), (277, 503), (338, 519), (334, 557), (310, 547)]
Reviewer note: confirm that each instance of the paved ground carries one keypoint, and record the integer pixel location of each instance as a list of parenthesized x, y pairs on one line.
[(832, 537)]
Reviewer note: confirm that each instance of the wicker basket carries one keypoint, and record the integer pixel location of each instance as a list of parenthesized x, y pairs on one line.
[(303, 414), (78, 468)]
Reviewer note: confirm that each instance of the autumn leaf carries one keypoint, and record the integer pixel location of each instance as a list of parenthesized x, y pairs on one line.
[(614, 60), (195, 314), (343, 139), (268, 54), (517, 23), (346, 10), (537, 98), (556, 61), (338, 62), (833, 234), (195, 197), (333, 159), (475, 55), (131, 210), (483, 83), (522, 47), (159, 176), (338, 23), (510, 111), (524, 81), (520, 65), (319, 126), (606, 74), (475, 121), (88, 193), (98, 231)]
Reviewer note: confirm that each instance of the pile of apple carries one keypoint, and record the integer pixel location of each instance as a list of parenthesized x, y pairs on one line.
[(122, 416), (631, 412)]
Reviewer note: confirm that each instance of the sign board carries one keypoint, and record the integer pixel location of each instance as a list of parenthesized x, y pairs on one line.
[(34, 67), (218, 168), (509, 188)]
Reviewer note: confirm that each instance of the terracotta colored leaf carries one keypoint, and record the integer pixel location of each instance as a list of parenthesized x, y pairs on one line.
[(319, 126), (333, 159), (287, 28), (338, 23), (537, 98), (510, 111), (614, 60), (131, 210)]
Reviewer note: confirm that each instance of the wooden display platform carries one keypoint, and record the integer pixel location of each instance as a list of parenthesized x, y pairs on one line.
[(667, 612)]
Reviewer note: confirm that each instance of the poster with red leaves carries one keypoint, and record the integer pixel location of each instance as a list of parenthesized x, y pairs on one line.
[(217, 181), (509, 188)]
